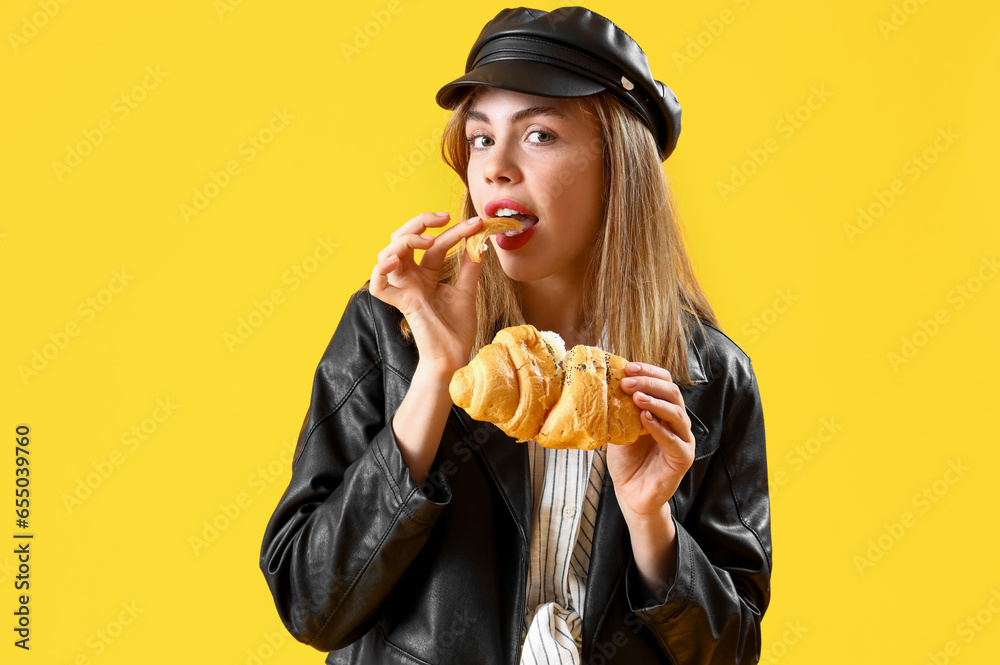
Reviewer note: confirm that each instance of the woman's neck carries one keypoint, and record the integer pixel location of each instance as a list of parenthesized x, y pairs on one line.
[(555, 304)]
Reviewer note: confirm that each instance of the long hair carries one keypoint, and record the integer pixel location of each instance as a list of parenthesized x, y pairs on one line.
[(641, 297)]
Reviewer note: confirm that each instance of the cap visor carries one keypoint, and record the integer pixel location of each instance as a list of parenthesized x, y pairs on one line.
[(532, 78)]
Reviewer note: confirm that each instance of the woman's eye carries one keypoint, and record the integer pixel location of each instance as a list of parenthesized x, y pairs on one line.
[(542, 137), (479, 141)]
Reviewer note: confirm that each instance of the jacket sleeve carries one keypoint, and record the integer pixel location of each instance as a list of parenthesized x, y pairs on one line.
[(352, 518), (711, 614)]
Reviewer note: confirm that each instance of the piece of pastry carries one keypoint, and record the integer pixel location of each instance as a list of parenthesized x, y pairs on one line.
[(476, 243), (531, 388)]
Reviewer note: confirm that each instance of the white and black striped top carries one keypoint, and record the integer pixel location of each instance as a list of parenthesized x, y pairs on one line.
[(566, 488)]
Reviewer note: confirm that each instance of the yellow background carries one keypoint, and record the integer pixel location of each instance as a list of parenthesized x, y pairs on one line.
[(817, 306)]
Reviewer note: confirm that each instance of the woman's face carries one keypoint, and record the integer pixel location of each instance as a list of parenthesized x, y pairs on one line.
[(542, 157)]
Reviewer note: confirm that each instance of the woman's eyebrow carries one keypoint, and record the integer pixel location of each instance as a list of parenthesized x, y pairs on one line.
[(518, 116)]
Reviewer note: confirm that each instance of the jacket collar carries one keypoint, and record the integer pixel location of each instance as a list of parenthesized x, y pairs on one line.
[(694, 361)]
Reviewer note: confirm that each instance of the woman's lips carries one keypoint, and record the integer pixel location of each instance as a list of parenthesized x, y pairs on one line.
[(493, 206), (513, 242)]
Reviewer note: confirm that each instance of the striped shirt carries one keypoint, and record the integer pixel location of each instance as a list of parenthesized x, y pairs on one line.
[(565, 491)]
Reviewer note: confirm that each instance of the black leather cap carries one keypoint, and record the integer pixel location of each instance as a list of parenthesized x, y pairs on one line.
[(568, 52)]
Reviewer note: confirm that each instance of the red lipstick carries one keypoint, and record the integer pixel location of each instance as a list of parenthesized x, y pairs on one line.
[(514, 242), (491, 208)]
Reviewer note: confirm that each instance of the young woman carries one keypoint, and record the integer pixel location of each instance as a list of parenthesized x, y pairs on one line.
[(410, 533)]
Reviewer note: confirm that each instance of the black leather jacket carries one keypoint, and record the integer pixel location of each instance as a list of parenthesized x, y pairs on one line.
[(363, 562)]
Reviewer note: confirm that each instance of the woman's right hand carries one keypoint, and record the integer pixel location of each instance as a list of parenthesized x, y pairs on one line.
[(441, 316)]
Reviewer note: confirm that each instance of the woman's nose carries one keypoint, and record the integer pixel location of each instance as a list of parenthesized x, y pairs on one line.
[(501, 165)]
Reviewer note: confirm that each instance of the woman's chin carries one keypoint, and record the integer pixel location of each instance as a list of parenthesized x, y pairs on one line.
[(522, 268)]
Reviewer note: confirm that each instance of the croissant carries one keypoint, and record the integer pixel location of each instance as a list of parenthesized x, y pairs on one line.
[(530, 387)]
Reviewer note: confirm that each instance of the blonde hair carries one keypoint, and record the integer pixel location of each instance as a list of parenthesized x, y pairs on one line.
[(640, 293)]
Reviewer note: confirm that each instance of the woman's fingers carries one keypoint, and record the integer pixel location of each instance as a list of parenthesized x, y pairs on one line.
[(651, 380), (398, 254), (680, 450), (434, 257), (379, 285), (665, 414), (652, 389), (408, 237), (437, 247), (403, 246), (419, 224), (646, 369)]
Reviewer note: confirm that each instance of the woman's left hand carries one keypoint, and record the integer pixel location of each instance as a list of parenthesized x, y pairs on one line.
[(647, 472)]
